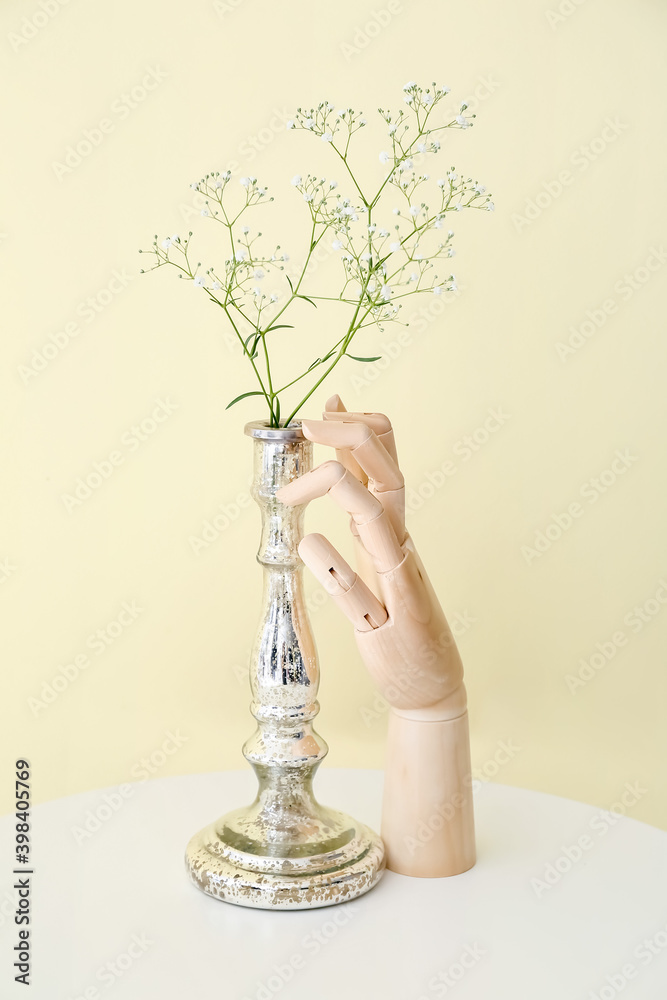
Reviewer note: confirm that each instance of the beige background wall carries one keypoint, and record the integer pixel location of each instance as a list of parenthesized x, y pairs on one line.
[(570, 137)]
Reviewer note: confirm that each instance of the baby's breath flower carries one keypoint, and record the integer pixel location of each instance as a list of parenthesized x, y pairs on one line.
[(372, 276)]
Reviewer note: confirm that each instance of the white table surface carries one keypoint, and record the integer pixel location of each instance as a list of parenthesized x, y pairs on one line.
[(403, 941)]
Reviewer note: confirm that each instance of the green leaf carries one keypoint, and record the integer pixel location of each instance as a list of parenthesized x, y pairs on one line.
[(290, 284), (243, 395), (279, 326), (317, 361), (363, 359), (307, 300), (276, 410), (254, 336)]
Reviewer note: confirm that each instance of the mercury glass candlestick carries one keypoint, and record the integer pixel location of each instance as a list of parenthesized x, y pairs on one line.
[(285, 851)]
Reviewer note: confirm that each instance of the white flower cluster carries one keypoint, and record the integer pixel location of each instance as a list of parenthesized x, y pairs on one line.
[(382, 262), (327, 121)]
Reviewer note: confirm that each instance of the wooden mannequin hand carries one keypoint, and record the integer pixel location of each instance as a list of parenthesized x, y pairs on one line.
[(400, 628), (404, 639)]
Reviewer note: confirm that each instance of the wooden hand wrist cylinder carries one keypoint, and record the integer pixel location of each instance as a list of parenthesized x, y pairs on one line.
[(404, 640)]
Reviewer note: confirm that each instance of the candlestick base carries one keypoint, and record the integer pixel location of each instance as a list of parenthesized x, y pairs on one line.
[(332, 859)]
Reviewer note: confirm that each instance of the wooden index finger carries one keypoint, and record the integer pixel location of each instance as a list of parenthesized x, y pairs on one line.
[(360, 440), (333, 408)]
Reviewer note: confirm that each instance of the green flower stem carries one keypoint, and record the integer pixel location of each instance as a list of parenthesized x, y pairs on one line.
[(269, 400), (351, 330)]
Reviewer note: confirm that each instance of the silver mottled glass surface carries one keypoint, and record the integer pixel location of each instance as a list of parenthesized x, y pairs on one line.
[(284, 851)]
